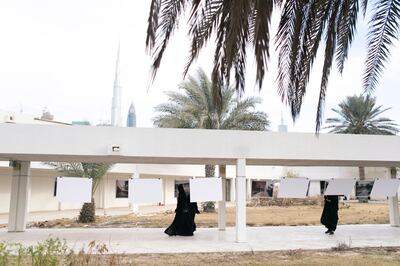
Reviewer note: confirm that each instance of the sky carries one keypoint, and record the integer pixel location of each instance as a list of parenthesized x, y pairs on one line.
[(61, 55)]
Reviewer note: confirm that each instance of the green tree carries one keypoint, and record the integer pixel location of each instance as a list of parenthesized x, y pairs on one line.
[(242, 24), (194, 108), (96, 171), (360, 115)]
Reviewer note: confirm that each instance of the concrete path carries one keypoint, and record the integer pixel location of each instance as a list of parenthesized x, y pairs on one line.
[(153, 240)]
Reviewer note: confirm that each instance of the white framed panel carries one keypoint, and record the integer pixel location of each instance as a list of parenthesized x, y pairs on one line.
[(205, 189), (293, 188), (385, 188), (337, 187), (145, 190), (74, 189)]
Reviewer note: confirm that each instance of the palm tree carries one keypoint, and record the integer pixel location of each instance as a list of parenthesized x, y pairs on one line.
[(96, 171), (360, 115), (241, 24), (195, 108)]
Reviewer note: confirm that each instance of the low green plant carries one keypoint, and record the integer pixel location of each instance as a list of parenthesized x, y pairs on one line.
[(208, 206), (48, 252), (54, 251), (4, 254)]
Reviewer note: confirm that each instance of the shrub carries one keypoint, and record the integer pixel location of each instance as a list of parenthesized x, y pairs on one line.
[(87, 213), (208, 206), (54, 251), (255, 202)]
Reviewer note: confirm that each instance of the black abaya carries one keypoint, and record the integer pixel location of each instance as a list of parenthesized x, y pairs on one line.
[(329, 216), (182, 224), (193, 209)]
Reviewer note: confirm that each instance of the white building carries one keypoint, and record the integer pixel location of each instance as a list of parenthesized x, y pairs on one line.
[(109, 195)]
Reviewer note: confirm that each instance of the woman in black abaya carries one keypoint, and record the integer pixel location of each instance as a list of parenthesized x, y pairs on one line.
[(183, 224), (193, 210), (329, 216)]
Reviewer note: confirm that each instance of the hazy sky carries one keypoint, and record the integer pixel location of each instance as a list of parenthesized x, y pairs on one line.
[(61, 55)]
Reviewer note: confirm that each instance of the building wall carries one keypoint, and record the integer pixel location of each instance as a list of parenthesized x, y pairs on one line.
[(42, 185), (5, 188), (21, 118)]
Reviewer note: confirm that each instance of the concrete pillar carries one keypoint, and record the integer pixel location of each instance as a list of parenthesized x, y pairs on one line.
[(240, 200), (222, 204), (248, 189), (233, 190), (20, 192), (135, 206), (394, 216)]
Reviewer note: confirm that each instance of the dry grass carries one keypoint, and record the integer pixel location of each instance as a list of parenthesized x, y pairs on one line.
[(353, 213), (55, 252), (367, 257)]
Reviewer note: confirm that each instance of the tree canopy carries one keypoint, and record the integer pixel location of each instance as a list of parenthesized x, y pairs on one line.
[(304, 24), (360, 115), (193, 107)]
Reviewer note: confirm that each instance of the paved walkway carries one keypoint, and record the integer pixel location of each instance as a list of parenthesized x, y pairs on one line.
[(153, 240)]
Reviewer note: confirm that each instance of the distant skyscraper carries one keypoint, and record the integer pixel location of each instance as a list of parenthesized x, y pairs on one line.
[(282, 127), (116, 118), (131, 121)]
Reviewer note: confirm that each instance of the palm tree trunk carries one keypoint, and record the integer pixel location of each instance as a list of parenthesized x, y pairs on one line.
[(88, 212), (393, 172), (361, 172), (209, 206), (210, 170)]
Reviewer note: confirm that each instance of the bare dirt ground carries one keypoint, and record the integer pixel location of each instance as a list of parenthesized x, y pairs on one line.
[(351, 213)]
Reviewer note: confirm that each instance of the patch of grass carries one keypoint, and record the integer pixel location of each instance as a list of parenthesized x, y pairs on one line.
[(341, 247), (368, 257)]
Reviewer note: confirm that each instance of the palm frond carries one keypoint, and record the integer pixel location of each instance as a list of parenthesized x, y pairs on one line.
[(164, 17), (260, 36), (96, 171), (383, 30), (203, 21), (347, 21), (152, 25)]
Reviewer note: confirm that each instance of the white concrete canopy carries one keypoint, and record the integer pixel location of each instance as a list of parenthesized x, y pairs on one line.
[(24, 142), (21, 142)]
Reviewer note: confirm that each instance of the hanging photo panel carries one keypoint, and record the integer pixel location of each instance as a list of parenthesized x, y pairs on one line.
[(364, 188), (74, 189), (145, 190), (340, 187), (385, 188), (263, 188), (205, 189), (293, 188)]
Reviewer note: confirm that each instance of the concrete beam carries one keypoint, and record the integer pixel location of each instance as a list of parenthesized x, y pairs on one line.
[(194, 146), (20, 192), (241, 200)]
